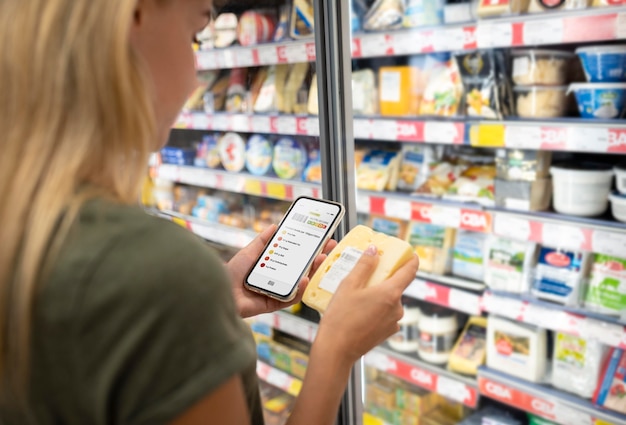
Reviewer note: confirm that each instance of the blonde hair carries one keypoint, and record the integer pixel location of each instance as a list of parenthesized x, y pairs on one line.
[(75, 113)]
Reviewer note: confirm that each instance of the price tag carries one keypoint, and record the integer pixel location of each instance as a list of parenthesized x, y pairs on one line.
[(362, 203), (456, 391), (543, 32), (421, 290), (588, 139), (572, 324), (244, 57), (193, 176), (286, 125), (494, 35), (302, 191), (205, 60), (567, 236), (450, 39), (233, 183), (409, 131), (294, 327), (228, 58), (444, 216), (276, 190), (398, 208), (443, 132), (363, 128), (253, 187), (240, 122), (313, 126), (513, 227), (296, 53), (267, 55), (620, 26), (260, 124), (464, 301), (385, 130), (609, 243), (200, 121), (543, 317), (278, 379), (405, 43), (521, 137), (567, 415), (373, 45)]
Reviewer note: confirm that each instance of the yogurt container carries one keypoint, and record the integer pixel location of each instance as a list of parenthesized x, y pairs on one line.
[(259, 155), (581, 190), (232, 149), (604, 64), (618, 206), (600, 100), (290, 158)]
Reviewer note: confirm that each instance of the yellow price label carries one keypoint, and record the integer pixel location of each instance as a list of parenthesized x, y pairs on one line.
[(372, 420), (277, 190), (295, 387), (180, 222), (253, 187), (487, 135)]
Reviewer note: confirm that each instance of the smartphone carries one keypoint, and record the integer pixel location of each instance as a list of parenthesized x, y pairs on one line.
[(289, 255)]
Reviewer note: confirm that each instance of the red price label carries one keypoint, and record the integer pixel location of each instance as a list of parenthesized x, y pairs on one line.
[(410, 131), (356, 48), (274, 125), (475, 220), (302, 127), (421, 212), (553, 138), (469, 38), (281, 54), (617, 140), (310, 52)]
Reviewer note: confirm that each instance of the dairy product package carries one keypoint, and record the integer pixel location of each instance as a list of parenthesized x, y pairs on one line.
[(611, 390), (236, 92), (302, 19), (378, 170), (266, 99), (559, 275), (515, 164), (389, 226), (256, 27), (208, 153), (414, 166), (398, 94), (422, 13), (444, 92), (313, 170), (225, 28), (214, 99), (468, 255), (576, 364), (384, 15), (606, 292), (393, 253), (364, 95), (508, 264), (470, 351), (282, 26), (232, 149), (312, 105), (256, 84), (433, 245), (259, 155), (290, 158), (297, 89)]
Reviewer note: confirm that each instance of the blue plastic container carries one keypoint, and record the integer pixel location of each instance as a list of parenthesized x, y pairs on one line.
[(600, 100), (604, 64), (178, 156)]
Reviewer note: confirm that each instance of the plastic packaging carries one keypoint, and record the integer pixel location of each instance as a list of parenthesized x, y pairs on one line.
[(550, 5), (606, 292), (208, 153), (364, 93), (225, 29), (433, 245), (516, 349), (290, 158), (178, 156), (438, 328), (406, 340), (576, 364), (515, 164), (443, 93), (604, 64), (541, 101), (378, 170), (540, 67), (489, 8), (397, 89), (508, 263), (414, 166), (612, 385), (600, 100), (470, 350), (618, 206), (256, 27), (421, 13), (259, 155), (468, 255), (559, 275), (620, 178), (384, 15), (581, 190), (302, 19)]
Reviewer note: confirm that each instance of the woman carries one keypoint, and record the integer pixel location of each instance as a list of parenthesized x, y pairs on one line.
[(108, 316)]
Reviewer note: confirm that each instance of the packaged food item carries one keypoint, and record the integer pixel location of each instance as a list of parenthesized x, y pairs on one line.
[(177, 156), (618, 206), (476, 184), (290, 157), (384, 15), (440, 178), (232, 149), (468, 255), (447, 413), (299, 363), (611, 390), (433, 245), (256, 27), (397, 91), (215, 98), (541, 101), (236, 93), (196, 100), (296, 90), (488, 92), (524, 195), (600, 100), (259, 155), (302, 19), (406, 340), (378, 170), (508, 264), (209, 208), (410, 398), (488, 8), (537, 6), (266, 100), (282, 73), (393, 253), (208, 153), (516, 349), (581, 188), (438, 328), (470, 350), (443, 93), (282, 26), (256, 85), (515, 164), (389, 226), (604, 64), (364, 95), (576, 364), (559, 275), (541, 67), (414, 160), (312, 105), (606, 292), (225, 29), (422, 13), (206, 38), (455, 12), (313, 170), (381, 393)]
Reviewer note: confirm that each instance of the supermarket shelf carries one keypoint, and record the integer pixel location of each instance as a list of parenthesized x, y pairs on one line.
[(451, 385), (542, 401), (455, 299), (290, 324), (557, 318), (218, 233), (453, 281), (238, 182), (588, 25), (278, 378), (263, 54)]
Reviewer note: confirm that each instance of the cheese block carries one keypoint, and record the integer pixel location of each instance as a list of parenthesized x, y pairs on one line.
[(393, 253)]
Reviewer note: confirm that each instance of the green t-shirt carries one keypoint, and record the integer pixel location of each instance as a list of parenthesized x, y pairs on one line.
[(135, 325)]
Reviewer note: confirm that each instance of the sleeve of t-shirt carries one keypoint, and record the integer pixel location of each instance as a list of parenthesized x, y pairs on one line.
[(158, 328)]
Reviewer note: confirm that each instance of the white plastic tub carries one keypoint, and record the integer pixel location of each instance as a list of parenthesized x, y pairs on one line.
[(581, 190), (618, 206), (620, 178)]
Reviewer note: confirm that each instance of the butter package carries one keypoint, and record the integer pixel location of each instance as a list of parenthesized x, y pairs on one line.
[(397, 90), (433, 245), (559, 275), (393, 253)]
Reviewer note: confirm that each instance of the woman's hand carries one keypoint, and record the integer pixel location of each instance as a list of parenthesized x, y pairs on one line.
[(359, 318), (250, 303)]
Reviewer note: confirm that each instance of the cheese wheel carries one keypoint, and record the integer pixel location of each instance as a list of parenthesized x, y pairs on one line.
[(393, 253), (232, 149)]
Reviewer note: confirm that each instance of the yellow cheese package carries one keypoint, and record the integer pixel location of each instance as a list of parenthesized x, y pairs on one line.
[(379, 170), (312, 105), (295, 98), (470, 350), (443, 93), (393, 253), (397, 92), (433, 245)]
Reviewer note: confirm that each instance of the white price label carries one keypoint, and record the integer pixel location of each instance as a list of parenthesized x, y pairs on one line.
[(244, 57), (588, 139), (296, 53), (240, 122), (194, 176), (405, 43), (168, 172), (313, 126), (279, 379), (373, 45), (442, 132), (362, 128), (301, 191), (205, 60), (286, 125), (200, 121), (521, 137), (228, 58), (294, 327), (233, 183), (221, 122), (267, 55), (511, 226), (570, 416), (543, 31), (609, 243), (464, 301), (620, 26), (261, 124), (566, 236), (543, 317), (363, 204), (494, 35), (456, 391), (385, 130), (445, 216), (450, 39), (398, 208), (380, 361)]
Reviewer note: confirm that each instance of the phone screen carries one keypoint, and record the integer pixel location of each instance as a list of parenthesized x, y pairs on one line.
[(302, 231)]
